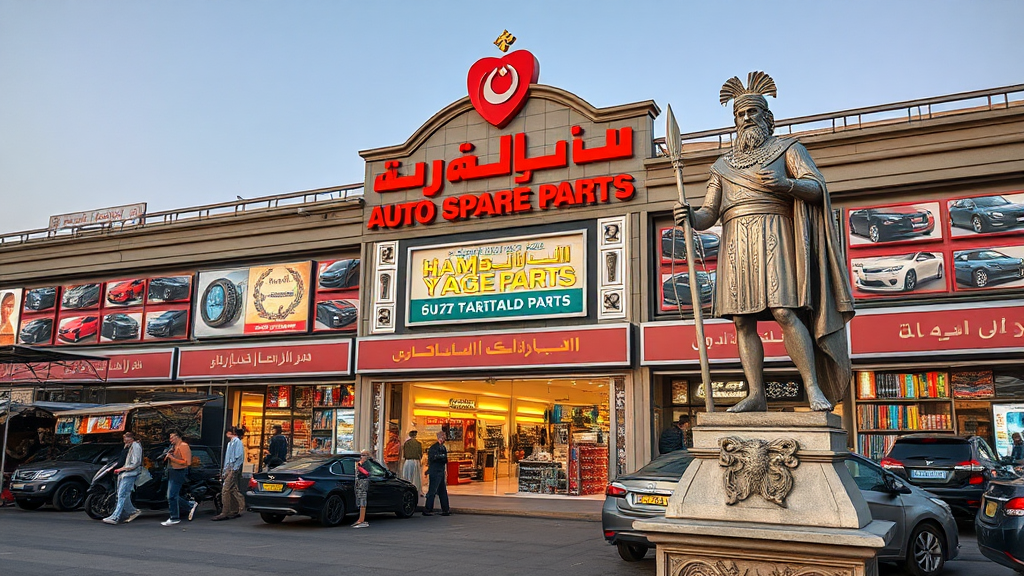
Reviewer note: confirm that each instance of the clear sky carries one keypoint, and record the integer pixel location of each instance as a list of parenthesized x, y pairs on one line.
[(187, 102)]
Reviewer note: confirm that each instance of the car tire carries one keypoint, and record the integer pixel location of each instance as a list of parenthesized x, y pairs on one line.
[(978, 225), (167, 294), (332, 512), (910, 281), (408, 506), (980, 278), (271, 518), (926, 551), (99, 505), (874, 234), (939, 273), (69, 496), (232, 303), (28, 504), (631, 552)]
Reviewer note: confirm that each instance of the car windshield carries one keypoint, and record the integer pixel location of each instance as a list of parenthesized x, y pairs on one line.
[(301, 465), (948, 449), (990, 201), (671, 464), (84, 452)]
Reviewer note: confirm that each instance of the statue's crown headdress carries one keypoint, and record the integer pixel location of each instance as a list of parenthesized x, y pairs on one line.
[(759, 85)]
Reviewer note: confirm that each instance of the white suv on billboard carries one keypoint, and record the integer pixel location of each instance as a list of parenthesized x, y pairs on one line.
[(896, 273)]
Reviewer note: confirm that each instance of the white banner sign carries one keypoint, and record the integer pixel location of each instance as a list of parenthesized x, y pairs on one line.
[(101, 216)]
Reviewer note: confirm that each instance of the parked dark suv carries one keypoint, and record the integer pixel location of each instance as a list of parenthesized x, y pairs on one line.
[(957, 470), (61, 481)]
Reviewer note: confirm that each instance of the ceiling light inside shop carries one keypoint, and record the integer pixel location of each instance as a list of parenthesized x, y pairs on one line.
[(530, 419)]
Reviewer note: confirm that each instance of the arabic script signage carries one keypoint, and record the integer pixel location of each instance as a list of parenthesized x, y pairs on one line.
[(430, 178), (319, 358), (576, 346), (977, 328), (529, 277), (676, 342), (150, 365), (101, 216)]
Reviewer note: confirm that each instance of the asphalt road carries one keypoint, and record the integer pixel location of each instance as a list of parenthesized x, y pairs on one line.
[(50, 543)]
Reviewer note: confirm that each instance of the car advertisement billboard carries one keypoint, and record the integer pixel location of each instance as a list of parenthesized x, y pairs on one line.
[(903, 272), (79, 329), (892, 223), (989, 268), (986, 215), (337, 295), (126, 293), (268, 299), (527, 277), (10, 313)]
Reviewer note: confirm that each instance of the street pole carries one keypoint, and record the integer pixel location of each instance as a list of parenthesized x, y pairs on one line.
[(7, 427), (675, 153)]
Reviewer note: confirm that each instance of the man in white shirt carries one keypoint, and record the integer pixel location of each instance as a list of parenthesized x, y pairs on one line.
[(231, 476), (126, 476)]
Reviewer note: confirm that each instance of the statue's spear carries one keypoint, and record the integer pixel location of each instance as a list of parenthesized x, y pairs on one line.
[(675, 153)]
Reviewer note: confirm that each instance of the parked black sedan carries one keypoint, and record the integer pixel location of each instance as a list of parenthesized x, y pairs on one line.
[(986, 214), (323, 487), (119, 327), (955, 469), (36, 331), (1000, 524)]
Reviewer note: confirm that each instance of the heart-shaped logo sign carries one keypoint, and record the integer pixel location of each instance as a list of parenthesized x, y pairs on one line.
[(498, 86)]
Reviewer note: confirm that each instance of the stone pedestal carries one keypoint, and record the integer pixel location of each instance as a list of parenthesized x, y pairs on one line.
[(767, 494)]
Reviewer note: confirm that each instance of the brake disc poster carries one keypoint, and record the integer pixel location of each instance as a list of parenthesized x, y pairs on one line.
[(270, 299), (528, 277)]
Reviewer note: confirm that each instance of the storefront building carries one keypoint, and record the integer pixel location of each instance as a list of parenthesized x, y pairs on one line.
[(509, 276)]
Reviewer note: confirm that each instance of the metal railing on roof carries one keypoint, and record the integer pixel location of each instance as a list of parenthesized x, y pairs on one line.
[(859, 118), (350, 192)]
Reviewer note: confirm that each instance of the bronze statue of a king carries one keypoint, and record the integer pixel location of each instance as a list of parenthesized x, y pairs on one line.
[(780, 256)]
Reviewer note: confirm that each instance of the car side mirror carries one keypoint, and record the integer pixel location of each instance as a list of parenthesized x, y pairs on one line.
[(895, 485)]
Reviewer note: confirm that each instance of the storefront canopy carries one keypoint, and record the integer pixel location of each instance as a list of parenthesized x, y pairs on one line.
[(107, 409), (30, 366)]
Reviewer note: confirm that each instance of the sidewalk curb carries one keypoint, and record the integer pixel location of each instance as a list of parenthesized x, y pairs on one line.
[(548, 515)]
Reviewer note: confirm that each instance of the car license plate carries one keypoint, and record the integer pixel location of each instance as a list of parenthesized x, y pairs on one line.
[(652, 500), (17, 486), (931, 474), (990, 508), (273, 487)]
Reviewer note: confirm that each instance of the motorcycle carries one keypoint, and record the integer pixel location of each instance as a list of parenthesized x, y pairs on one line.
[(151, 494)]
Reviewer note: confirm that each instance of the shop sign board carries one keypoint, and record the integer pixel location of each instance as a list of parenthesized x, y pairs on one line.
[(664, 343), (293, 358), (577, 346), (979, 327), (144, 365), (1009, 418), (529, 277), (100, 216), (268, 299)]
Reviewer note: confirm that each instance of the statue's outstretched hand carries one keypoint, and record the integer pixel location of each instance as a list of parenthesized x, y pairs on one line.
[(772, 181), (680, 212)]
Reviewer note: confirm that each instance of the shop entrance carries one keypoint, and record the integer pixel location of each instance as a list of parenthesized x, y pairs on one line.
[(509, 436)]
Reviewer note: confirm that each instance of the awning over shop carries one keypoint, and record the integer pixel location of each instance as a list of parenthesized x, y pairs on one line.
[(113, 417), (106, 409), (54, 408), (30, 366)]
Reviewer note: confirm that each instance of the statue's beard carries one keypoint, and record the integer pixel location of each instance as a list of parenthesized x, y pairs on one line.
[(751, 137)]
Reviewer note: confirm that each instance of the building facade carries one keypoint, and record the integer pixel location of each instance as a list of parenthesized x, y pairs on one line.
[(509, 277)]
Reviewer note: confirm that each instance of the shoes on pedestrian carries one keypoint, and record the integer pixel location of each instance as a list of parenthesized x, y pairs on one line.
[(446, 513), (133, 516), (109, 520), (192, 511), (428, 513), (233, 516), (220, 517), (361, 525), (170, 522)]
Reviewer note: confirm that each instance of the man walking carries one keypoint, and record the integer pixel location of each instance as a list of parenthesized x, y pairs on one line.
[(231, 477), (178, 459), (675, 437), (437, 466), (278, 449), (412, 451), (126, 475)]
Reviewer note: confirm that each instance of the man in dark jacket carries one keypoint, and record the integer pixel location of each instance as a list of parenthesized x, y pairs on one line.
[(278, 448), (437, 465), (674, 438)]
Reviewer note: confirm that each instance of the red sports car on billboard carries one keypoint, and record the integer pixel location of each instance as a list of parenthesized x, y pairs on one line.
[(78, 329), (127, 291)]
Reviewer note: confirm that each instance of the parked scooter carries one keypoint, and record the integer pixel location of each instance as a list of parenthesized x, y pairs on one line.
[(151, 493)]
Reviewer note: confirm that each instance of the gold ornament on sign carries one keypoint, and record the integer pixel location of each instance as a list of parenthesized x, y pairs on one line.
[(505, 41), (258, 297)]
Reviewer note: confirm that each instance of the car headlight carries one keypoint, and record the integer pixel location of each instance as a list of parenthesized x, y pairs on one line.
[(45, 474), (997, 214), (941, 503), (893, 268)]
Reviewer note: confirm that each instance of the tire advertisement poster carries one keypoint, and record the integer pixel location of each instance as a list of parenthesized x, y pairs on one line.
[(272, 299)]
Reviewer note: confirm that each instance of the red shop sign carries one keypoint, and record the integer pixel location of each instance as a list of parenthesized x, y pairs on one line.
[(548, 348), (973, 328), (676, 342), (321, 358), (149, 365)]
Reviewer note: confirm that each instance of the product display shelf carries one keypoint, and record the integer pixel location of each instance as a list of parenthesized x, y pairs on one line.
[(539, 477), (887, 405)]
